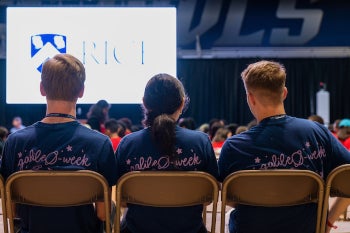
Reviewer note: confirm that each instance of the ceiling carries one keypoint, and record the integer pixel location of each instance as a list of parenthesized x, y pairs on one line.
[(88, 3)]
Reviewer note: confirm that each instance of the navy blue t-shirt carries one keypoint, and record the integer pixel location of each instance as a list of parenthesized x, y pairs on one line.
[(137, 152), (280, 142), (63, 146)]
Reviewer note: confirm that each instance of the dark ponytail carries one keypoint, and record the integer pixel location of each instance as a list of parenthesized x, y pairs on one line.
[(163, 96), (163, 132)]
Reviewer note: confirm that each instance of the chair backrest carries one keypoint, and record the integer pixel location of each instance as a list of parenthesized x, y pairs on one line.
[(57, 189), (167, 189), (275, 188), (337, 185), (3, 204)]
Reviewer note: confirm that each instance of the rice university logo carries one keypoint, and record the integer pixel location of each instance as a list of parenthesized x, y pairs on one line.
[(44, 46)]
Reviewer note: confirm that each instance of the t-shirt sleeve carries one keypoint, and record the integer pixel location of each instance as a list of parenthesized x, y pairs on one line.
[(212, 166), (7, 160), (224, 161), (230, 160), (339, 154), (120, 155), (108, 164)]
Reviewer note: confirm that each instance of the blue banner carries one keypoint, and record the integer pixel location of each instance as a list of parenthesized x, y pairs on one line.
[(256, 23), (215, 24)]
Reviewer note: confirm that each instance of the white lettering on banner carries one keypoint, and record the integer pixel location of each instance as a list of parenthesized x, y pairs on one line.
[(235, 18), (233, 26), (310, 27), (208, 19)]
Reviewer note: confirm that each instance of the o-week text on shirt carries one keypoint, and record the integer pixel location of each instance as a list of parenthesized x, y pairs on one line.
[(163, 162), (37, 160), (294, 160)]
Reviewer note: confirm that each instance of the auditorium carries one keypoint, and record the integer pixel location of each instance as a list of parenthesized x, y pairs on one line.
[(178, 116)]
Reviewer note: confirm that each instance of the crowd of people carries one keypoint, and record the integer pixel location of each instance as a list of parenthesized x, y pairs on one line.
[(113, 147), (218, 130)]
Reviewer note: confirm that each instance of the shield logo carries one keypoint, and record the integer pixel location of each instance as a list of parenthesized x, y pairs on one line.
[(44, 46)]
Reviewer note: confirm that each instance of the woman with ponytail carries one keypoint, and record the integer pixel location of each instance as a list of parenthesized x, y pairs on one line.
[(164, 146)]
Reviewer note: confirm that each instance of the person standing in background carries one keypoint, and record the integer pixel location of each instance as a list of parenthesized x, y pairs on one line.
[(113, 130), (97, 115), (343, 133), (3, 136), (16, 124)]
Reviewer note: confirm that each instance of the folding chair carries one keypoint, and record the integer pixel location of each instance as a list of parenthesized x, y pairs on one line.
[(3, 201), (167, 189), (274, 188), (337, 185), (56, 189)]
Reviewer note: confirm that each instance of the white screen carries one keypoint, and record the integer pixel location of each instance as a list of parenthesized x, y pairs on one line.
[(121, 49)]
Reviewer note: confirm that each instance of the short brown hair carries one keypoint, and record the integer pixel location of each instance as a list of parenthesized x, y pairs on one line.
[(63, 77), (268, 78), (3, 133)]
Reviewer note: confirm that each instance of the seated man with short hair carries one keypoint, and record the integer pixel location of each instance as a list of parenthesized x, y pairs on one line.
[(278, 141), (60, 142)]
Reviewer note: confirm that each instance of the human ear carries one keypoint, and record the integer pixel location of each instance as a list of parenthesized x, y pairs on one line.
[(81, 93), (285, 93), (42, 90)]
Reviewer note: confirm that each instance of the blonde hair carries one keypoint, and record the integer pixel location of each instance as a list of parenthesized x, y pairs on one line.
[(265, 78), (63, 77)]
